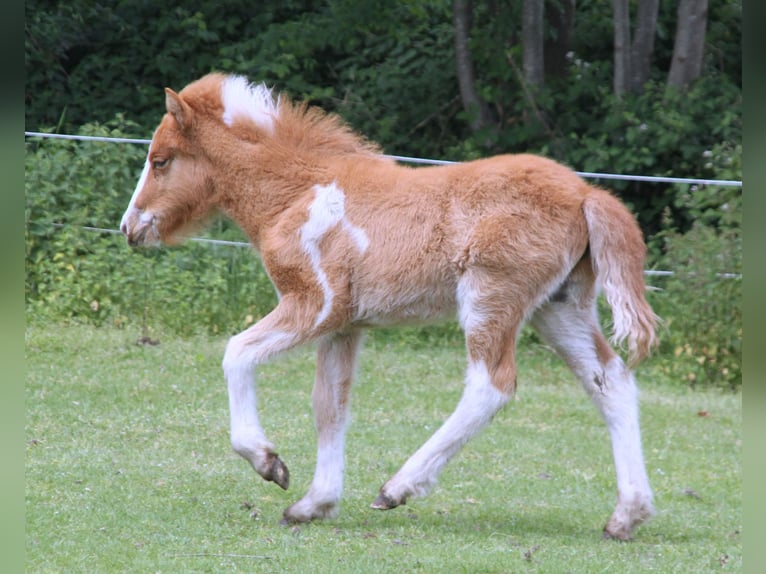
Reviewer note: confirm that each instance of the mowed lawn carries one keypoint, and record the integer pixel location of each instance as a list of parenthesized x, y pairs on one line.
[(129, 468)]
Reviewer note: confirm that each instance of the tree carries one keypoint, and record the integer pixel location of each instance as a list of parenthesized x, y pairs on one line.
[(632, 59), (560, 17), (642, 48), (532, 42), (689, 48), (473, 104), (621, 15)]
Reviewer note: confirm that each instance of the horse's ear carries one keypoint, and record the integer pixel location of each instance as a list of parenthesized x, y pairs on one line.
[(179, 109)]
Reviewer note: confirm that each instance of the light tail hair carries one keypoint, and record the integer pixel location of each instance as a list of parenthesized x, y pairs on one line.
[(618, 254)]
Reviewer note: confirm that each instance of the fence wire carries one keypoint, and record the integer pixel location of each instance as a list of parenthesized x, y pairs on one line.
[(414, 160), (419, 160)]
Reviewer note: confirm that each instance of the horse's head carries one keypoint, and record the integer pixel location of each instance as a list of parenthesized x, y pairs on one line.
[(175, 190), (209, 147)]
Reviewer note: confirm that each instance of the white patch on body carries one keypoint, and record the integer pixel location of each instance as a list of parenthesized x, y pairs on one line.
[(326, 211), (254, 102), (358, 235)]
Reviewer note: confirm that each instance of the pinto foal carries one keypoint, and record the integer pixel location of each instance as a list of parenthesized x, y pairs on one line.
[(352, 240)]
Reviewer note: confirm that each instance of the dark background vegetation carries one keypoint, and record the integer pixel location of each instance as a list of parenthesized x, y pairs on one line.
[(632, 87)]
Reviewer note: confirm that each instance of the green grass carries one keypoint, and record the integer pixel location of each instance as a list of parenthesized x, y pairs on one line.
[(129, 469)]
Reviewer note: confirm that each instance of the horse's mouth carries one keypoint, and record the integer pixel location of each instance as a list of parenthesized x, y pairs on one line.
[(140, 230)]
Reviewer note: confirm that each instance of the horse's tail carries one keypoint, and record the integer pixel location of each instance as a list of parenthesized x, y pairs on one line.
[(618, 254)]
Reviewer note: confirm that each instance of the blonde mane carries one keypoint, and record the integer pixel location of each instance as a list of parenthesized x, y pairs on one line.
[(310, 128), (294, 125)]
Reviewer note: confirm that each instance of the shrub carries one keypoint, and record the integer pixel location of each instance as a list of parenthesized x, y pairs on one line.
[(74, 273), (702, 302)]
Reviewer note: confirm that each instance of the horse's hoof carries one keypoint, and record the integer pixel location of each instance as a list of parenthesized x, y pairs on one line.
[(279, 473), (383, 502), (619, 535)]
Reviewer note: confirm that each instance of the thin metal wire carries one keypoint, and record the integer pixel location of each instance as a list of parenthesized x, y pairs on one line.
[(87, 138), (647, 272), (648, 178), (418, 160), (118, 232)]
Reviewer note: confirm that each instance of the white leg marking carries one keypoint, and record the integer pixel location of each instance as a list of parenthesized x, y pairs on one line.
[(479, 403), (618, 404), (612, 388), (470, 315), (335, 369), (325, 212), (336, 359), (243, 353), (323, 497)]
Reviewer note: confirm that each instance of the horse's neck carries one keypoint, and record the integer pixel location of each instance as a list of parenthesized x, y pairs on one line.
[(254, 193)]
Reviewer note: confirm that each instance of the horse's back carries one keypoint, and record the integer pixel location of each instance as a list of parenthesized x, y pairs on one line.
[(516, 217)]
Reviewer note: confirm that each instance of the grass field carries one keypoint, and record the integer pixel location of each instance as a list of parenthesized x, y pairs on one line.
[(129, 469)]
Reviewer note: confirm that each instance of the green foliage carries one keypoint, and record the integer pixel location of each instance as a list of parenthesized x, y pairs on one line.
[(581, 123), (702, 302), (129, 469), (87, 61), (75, 273), (388, 68)]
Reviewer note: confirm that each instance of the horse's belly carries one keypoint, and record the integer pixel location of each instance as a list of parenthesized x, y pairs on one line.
[(400, 305)]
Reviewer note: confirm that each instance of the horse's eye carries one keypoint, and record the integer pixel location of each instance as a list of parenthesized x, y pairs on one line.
[(159, 163)]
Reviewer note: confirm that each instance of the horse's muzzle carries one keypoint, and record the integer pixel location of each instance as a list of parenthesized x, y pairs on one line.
[(140, 228)]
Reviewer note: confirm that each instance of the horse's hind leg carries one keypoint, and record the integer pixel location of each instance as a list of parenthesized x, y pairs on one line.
[(336, 362), (569, 324), (490, 380)]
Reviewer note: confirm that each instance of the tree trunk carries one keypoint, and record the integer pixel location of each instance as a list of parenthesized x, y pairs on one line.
[(560, 16), (689, 48), (532, 42), (621, 15), (473, 104), (643, 44)]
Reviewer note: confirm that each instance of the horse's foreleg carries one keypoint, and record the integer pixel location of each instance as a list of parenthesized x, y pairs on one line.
[(272, 335), (336, 361)]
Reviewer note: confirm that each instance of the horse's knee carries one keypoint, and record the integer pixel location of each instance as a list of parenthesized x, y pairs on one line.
[(232, 358)]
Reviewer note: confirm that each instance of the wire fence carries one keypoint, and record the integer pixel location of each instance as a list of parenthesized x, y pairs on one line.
[(419, 160), (414, 160)]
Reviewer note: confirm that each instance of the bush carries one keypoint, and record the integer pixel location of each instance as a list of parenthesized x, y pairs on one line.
[(702, 302), (74, 273)]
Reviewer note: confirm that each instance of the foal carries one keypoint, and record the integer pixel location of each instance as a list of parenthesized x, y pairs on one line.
[(352, 240)]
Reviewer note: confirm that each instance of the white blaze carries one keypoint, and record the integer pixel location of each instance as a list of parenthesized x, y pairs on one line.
[(131, 206)]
